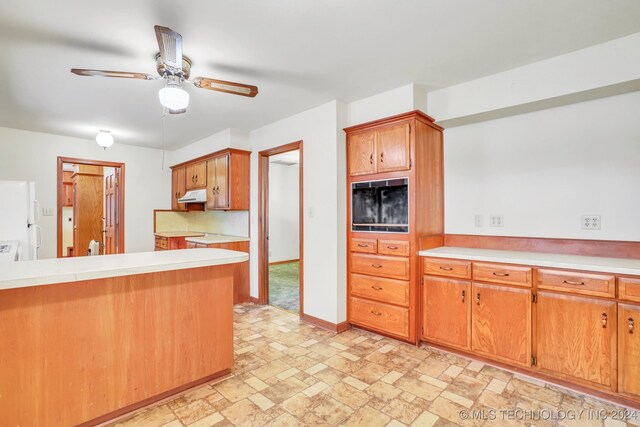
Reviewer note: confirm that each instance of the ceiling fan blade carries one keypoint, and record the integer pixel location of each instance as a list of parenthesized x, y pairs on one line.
[(107, 73), (170, 44), (227, 87)]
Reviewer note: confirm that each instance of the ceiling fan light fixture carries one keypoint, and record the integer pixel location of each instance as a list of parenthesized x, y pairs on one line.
[(104, 139), (174, 97)]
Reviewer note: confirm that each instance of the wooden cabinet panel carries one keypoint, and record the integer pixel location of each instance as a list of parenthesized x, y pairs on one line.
[(196, 175), (392, 148), (394, 247), (364, 245), (378, 265), (379, 289), (161, 243), (67, 195), (577, 282), (447, 267), (178, 188), (629, 289), (501, 323), (500, 273), (362, 153), (576, 337), (446, 311), (629, 349), (376, 315), (221, 200)]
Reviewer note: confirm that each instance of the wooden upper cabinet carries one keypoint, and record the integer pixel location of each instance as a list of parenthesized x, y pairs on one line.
[(178, 188), (228, 181), (576, 338), (501, 323), (362, 153), (222, 182), (446, 311), (629, 349), (196, 175), (392, 148)]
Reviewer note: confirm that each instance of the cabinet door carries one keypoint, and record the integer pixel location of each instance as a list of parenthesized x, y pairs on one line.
[(362, 154), (501, 323), (392, 146), (629, 349), (178, 189), (196, 175), (221, 200), (576, 337), (446, 311), (67, 195)]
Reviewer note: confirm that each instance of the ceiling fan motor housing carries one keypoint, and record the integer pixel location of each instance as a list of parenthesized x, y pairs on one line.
[(163, 70)]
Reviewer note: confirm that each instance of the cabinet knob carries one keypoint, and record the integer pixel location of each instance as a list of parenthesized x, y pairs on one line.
[(463, 295), (478, 298), (630, 324), (382, 157), (371, 158), (604, 319), (376, 313)]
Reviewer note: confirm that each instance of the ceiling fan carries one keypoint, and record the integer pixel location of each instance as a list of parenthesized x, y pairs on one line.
[(174, 69)]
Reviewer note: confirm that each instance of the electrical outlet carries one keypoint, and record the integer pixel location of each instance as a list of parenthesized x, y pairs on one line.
[(496, 220), (47, 212), (591, 222), (478, 220)]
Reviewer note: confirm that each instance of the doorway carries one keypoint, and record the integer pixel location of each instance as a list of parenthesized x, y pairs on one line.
[(280, 254), (90, 207)]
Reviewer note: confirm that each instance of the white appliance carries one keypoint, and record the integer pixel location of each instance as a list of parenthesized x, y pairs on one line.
[(9, 251), (194, 196), (19, 216)]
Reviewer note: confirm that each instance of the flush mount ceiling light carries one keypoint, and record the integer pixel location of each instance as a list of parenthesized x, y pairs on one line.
[(104, 139), (173, 97)]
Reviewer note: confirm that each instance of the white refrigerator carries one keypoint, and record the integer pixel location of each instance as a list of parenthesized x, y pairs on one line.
[(19, 217)]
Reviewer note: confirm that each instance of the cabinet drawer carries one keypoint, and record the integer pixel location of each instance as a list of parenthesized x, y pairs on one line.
[(447, 267), (499, 273), (161, 243), (379, 265), (577, 282), (383, 317), (385, 290), (364, 245), (629, 289), (393, 247)]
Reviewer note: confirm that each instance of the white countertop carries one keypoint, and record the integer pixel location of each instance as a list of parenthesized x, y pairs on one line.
[(178, 234), (572, 262), (50, 271), (216, 238)]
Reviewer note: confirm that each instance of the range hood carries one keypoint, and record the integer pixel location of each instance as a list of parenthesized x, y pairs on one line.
[(194, 196)]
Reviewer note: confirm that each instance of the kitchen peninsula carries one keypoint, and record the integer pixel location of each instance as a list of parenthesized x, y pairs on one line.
[(86, 339)]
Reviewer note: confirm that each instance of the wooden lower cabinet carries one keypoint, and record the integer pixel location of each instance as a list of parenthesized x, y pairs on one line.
[(380, 316), (446, 311), (576, 338), (629, 350), (501, 323)]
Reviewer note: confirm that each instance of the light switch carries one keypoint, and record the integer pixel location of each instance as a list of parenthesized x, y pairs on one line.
[(47, 211)]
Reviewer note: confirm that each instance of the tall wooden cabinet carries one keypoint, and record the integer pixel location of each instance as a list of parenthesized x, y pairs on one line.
[(382, 268)]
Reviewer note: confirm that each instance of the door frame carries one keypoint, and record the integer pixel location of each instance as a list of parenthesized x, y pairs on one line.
[(263, 220), (121, 187)]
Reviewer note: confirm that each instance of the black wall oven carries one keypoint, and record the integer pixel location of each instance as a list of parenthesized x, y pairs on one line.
[(380, 206)]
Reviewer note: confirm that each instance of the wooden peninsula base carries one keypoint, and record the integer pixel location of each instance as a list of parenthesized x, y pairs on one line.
[(87, 351)]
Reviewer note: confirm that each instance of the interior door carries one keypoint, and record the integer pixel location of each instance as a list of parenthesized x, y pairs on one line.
[(576, 337), (222, 182), (362, 153), (446, 311), (501, 323), (392, 146), (110, 213)]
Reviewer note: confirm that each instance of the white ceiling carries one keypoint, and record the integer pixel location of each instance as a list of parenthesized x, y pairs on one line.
[(300, 53)]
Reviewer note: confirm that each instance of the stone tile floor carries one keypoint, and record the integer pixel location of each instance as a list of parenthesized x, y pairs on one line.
[(288, 373)]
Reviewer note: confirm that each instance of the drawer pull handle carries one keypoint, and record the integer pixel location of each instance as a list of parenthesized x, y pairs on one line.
[(604, 319), (571, 282), (478, 298), (495, 273), (446, 268), (463, 295), (376, 313), (377, 288), (392, 247), (630, 323), (376, 265), (382, 157), (363, 245), (371, 158)]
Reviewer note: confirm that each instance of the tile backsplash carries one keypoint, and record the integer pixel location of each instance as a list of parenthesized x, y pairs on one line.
[(233, 223)]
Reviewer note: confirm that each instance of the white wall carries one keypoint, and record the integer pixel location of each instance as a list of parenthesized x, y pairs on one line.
[(32, 156), (385, 104), (284, 215), (324, 225), (545, 169)]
